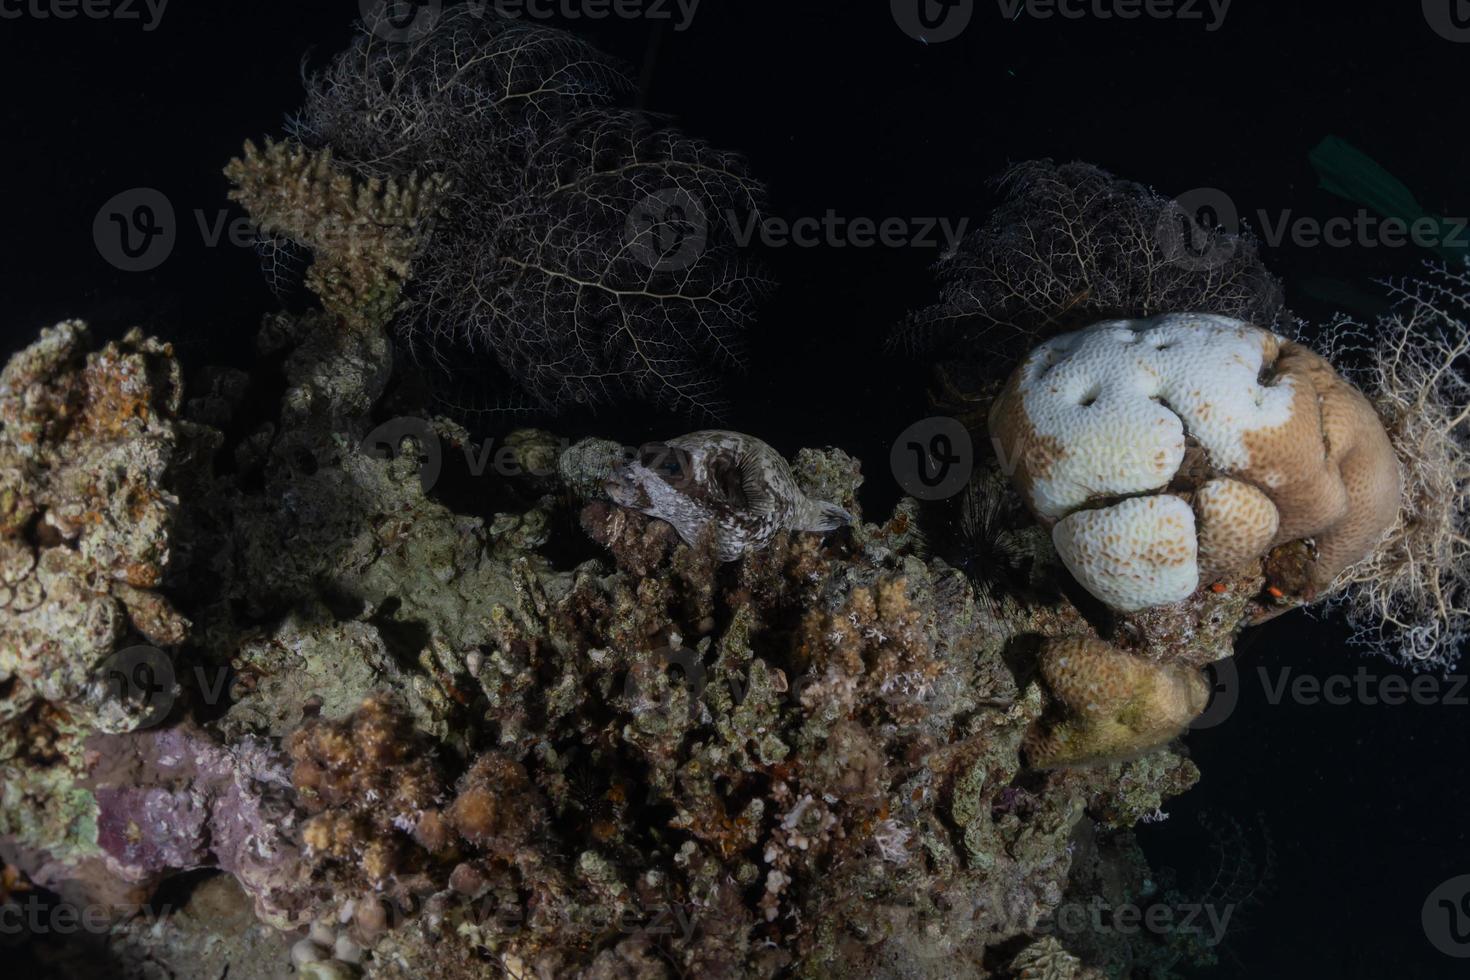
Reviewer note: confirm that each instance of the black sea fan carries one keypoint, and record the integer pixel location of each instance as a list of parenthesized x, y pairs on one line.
[(1070, 245), (586, 251)]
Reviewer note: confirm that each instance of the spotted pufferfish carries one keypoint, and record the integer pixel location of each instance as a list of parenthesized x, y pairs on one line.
[(731, 482)]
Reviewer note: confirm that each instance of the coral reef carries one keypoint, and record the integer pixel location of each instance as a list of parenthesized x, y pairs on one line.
[(421, 717), (87, 441), (431, 737)]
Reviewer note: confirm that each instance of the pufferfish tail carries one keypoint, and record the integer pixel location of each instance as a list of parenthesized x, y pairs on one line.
[(827, 517)]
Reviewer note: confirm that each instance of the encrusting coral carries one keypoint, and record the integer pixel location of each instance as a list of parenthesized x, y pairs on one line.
[(1113, 704), (87, 508)]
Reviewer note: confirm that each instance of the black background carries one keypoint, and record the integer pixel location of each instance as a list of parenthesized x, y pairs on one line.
[(836, 108)]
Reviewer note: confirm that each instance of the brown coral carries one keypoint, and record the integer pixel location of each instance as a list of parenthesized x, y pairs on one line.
[(1113, 705), (1331, 470), (368, 780), (88, 443), (363, 234)]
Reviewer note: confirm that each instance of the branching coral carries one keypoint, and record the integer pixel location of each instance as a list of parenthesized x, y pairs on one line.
[(590, 254), (1070, 245), (1411, 596), (363, 234)]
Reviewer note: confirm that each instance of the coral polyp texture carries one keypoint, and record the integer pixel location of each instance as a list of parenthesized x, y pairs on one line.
[(1187, 444), (1112, 704)]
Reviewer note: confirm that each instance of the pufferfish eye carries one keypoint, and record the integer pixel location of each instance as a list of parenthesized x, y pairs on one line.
[(666, 462)]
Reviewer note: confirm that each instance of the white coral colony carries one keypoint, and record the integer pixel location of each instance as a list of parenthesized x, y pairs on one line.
[(1172, 450)]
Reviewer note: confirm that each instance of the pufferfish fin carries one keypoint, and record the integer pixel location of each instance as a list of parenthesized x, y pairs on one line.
[(745, 482)]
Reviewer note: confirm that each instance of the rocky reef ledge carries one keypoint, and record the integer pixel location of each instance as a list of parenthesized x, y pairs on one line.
[(283, 681)]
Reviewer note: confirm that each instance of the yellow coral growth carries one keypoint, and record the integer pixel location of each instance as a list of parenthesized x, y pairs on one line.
[(363, 234), (1114, 705)]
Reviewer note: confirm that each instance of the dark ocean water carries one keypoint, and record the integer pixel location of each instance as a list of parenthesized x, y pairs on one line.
[(839, 110)]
